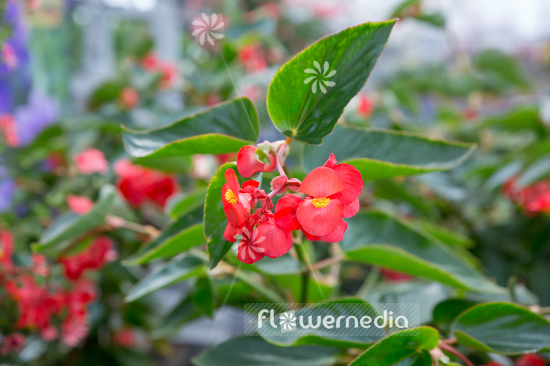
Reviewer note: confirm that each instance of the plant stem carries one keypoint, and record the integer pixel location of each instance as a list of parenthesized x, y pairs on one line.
[(302, 256), (454, 351), (328, 262), (369, 283)]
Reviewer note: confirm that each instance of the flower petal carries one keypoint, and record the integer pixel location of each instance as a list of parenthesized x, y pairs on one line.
[(310, 237), (353, 183), (322, 182), (337, 235), (331, 161), (274, 240), (235, 212), (231, 232), (231, 179), (248, 253), (248, 163), (351, 209), (285, 212), (319, 221)]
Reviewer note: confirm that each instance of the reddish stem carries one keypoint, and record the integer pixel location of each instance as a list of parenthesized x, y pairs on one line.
[(455, 352), (280, 155)]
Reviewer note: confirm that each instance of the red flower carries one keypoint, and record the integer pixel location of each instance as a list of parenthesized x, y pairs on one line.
[(236, 201), (493, 363), (40, 265), (12, 343), (124, 337), (6, 251), (91, 161), (249, 163), (93, 257), (139, 184), (167, 70), (332, 194), (9, 58), (9, 130), (365, 106), (129, 98), (394, 276), (79, 204), (252, 58), (531, 360)]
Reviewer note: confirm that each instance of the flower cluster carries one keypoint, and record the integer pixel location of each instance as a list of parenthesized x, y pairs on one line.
[(534, 199), (139, 185), (168, 72), (55, 310), (530, 359), (327, 195)]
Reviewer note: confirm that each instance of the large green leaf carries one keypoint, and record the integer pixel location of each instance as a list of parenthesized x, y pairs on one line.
[(309, 115), (179, 236), (336, 337), (408, 347), (214, 217), (71, 226), (185, 203), (384, 154), (221, 129), (378, 238), (170, 273), (502, 327), (254, 351)]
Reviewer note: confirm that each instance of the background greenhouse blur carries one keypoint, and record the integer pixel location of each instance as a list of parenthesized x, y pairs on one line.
[(72, 72)]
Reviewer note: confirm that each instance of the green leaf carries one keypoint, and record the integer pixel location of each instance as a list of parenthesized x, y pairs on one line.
[(378, 238), (447, 311), (203, 296), (521, 118), (179, 236), (308, 116), (71, 226), (170, 273), (330, 337), (408, 347), (221, 129), (502, 69), (503, 328), (385, 154), (254, 351), (183, 313), (214, 217), (185, 203)]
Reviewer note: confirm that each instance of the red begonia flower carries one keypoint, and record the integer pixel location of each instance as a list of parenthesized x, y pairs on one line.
[(79, 204), (285, 212), (12, 343), (129, 98), (235, 204), (6, 250), (248, 163), (531, 360), (249, 249)]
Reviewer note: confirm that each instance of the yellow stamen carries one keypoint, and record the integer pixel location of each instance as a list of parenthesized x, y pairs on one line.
[(320, 202), (230, 196)]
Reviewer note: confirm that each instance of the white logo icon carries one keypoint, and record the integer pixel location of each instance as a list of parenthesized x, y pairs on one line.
[(207, 28), (321, 74), (287, 321)]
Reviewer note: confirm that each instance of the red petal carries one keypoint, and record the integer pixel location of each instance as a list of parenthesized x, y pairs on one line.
[(331, 162), (319, 221), (294, 184), (353, 183), (310, 237), (248, 253), (337, 235), (232, 180), (235, 212), (250, 186), (231, 232), (322, 182), (351, 209), (274, 240), (285, 212), (278, 182)]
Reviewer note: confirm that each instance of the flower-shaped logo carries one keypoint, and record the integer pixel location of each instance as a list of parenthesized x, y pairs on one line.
[(207, 28), (287, 320), (320, 77)]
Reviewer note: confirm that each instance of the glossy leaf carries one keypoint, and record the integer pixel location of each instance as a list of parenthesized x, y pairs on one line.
[(254, 351), (305, 110), (384, 154), (185, 203), (71, 226), (179, 236), (380, 239), (502, 327), (408, 347), (214, 217), (203, 296), (221, 129), (170, 273)]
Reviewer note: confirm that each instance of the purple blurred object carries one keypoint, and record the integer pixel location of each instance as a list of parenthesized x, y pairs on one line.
[(18, 39), (40, 112), (7, 190)]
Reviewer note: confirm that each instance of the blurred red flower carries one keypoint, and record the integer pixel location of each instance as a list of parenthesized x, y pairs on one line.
[(91, 161), (79, 204)]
